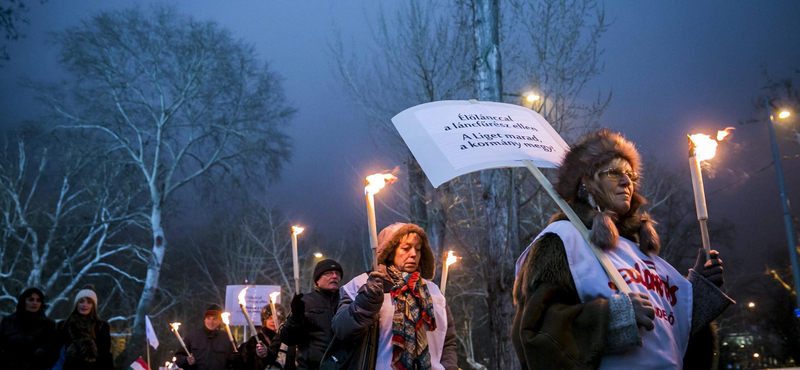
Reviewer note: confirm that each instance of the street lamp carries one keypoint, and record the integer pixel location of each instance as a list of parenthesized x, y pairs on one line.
[(531, 97), (751, 305), (787, 217), (318, 255)]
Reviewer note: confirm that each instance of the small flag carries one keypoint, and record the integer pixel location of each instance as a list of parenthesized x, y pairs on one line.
[(151, 334), (139, 364)]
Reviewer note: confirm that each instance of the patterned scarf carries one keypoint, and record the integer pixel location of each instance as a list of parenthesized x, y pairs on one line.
[(413, 308)]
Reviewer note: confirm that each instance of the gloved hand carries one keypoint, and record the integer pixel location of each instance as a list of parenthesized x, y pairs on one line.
[(643, 310), (710, 269), (375, 283), (261, 350), (298, 306)]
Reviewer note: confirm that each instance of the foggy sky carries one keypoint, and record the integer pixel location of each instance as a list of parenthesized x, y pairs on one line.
[(674, 68)]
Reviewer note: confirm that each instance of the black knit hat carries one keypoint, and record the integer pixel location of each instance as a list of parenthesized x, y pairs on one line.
[(324, 266), (214, 310)]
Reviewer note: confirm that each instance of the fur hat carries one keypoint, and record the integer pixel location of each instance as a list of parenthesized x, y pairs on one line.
[(584, 160), (391, 236), (325, 266), (86, 292)]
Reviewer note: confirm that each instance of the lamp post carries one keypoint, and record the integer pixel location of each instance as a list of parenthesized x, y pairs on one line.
[(787, 217)]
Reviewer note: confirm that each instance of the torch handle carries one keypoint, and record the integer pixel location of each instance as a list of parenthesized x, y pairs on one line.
[(295, 264), (444, 278), (249, 321), (700, 202), (182, 343), (373, 230), (230, 336)]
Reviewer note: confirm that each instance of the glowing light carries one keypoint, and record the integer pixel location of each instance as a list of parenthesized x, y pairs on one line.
[(377, 181), (705, 147), (273, 296), (242, 294), (175, 325), (296, 230), (751, 304), (451, 258), (317, 255), (784, 114), (531, 97), (226, 318), (756, 355), (722, 134)]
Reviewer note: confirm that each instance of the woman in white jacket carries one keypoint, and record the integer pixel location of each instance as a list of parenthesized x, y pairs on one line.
[(416, 330)]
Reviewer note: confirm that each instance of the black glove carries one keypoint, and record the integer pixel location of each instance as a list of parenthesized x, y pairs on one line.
[(710, 269), (298, 306)]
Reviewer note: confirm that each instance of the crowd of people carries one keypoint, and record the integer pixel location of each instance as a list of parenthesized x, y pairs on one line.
[(569, 315)]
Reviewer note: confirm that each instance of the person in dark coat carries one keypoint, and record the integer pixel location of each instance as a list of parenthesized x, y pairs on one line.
[(309, 324), (268, 350), (209, 347), (86, 337), (27, 337)]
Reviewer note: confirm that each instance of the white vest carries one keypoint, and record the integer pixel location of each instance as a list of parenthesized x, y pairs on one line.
[(670, 293), (435, 338)]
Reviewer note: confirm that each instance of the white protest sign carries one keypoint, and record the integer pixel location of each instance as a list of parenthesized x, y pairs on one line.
[(455, 137), (257, 297)]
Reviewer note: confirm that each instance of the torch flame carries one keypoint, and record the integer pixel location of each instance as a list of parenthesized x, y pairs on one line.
[(226, 318), (242, 302), (273, 296), (451, 259), (722, 134), (296, 230), (705, 147), (175, 325), (377, 181)]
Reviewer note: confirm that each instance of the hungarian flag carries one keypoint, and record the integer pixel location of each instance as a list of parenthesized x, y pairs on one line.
[(139, 364)]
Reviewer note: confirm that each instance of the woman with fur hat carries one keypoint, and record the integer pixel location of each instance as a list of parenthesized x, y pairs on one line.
[(86, 337), (415, 327), (570, 316), (27, 336)]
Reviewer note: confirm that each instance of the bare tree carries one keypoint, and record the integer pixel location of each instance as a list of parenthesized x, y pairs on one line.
[(421, 57), (62, 223), (178, 99)]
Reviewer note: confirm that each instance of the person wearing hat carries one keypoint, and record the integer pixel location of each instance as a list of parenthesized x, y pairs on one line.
[(209, 347), (570, 316), (416, 330), (86, 338), (309, 323), (27, 336), (267, 351)]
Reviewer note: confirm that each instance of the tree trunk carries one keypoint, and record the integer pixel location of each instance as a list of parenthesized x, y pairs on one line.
[(416, 191), (133, 347), (502, 219), (438, 223)]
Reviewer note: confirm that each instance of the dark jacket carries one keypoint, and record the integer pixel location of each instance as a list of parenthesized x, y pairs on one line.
[(552, 329), (311, 332), (27, 341), (249, 359), (212, 350), (354, 318), (83, 353)]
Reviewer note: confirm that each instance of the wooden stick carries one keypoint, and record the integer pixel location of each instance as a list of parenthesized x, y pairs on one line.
[(611, 271)]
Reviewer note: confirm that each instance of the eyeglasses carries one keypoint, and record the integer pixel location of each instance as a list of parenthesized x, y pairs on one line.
[(617, 173)]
